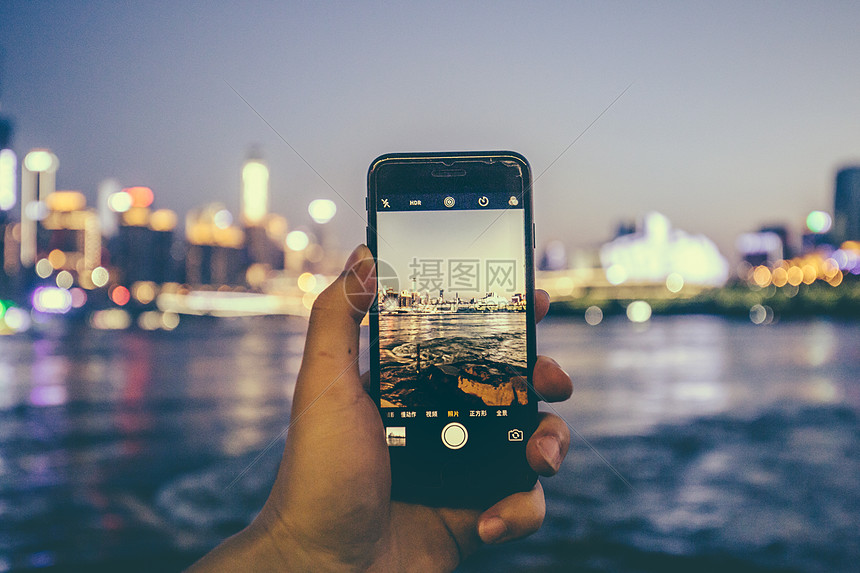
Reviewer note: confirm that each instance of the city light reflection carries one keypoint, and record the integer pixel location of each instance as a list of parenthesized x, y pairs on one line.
[(593, 315)]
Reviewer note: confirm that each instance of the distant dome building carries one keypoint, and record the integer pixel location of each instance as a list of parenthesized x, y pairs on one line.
[(656, 250)]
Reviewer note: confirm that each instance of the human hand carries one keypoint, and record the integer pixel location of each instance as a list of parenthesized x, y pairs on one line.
[(330, 508)]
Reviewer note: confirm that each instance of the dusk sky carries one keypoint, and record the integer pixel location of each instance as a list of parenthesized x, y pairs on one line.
[(735, 114)]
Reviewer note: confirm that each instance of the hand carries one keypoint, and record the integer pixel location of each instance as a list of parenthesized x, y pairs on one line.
[(330, 508)]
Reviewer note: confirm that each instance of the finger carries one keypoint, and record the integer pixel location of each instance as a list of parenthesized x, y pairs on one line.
[(548, 446), (541, 304), (551, 382), (331, 346), (515, 516)]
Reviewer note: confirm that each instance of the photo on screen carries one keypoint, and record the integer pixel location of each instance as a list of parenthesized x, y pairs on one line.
[(452, 318)]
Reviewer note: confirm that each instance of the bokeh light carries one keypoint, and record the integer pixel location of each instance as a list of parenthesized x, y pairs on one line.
[(593, 315), (120, 295), (140, 196), (169, 320), (761, 314), (110, 319), (639, 311), (119, 202), (307, 282), (162, 220), (79, 297), (57, 258), (44, 268), (795, 276), (149, 320), (52, 300), (322, 210), (17, 319), (143, 291), (39, 160), (100, 276), (674, 282), (65, 280), (819, 221), (780, 277), (762, 276), (222, 219), (297, 240)]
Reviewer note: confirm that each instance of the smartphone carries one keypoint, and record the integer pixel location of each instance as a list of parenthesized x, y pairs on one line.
[(452, 330)]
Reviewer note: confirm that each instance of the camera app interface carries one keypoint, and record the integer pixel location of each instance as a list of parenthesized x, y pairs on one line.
[(452, 310)]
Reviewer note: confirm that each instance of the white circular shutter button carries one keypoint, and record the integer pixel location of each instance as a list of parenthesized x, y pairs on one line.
[(455, 435)]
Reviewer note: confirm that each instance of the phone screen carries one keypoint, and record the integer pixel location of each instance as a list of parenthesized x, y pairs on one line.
[(453, 320)]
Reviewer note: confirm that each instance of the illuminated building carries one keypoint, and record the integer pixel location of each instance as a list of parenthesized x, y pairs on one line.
[(763, 247), (108, 218), (38, 177), (650, 255), (255, 192), (780, 231), (142, 246), (69, 238), (846, 205), (216, 253), (8, 179), (9, 244), (265, 243)]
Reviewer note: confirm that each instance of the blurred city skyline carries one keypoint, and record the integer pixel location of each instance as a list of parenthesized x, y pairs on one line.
[(734, 115)]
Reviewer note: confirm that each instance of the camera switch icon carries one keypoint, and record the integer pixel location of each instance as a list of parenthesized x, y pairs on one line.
[(515, 435)]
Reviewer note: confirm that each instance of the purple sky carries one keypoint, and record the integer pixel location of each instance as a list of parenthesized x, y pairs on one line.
[(737, 113)]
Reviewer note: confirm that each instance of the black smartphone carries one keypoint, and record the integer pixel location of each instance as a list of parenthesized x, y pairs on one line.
[(452, 330)]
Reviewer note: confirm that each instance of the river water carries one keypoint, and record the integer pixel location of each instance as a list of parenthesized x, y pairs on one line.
[(411, 343), (700, 443)]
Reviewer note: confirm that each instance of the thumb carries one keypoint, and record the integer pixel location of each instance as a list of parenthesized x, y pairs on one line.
[(331, 346)]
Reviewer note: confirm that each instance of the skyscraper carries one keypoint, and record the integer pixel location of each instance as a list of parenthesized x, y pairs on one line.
[(38, 178), (255, 192), (846, 205)]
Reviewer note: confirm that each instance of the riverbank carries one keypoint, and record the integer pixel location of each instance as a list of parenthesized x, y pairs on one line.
[(737, 300)]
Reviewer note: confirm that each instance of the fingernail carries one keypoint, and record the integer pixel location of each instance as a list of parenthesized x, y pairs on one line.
[(550, 450), (492, 529), (353, 257)]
